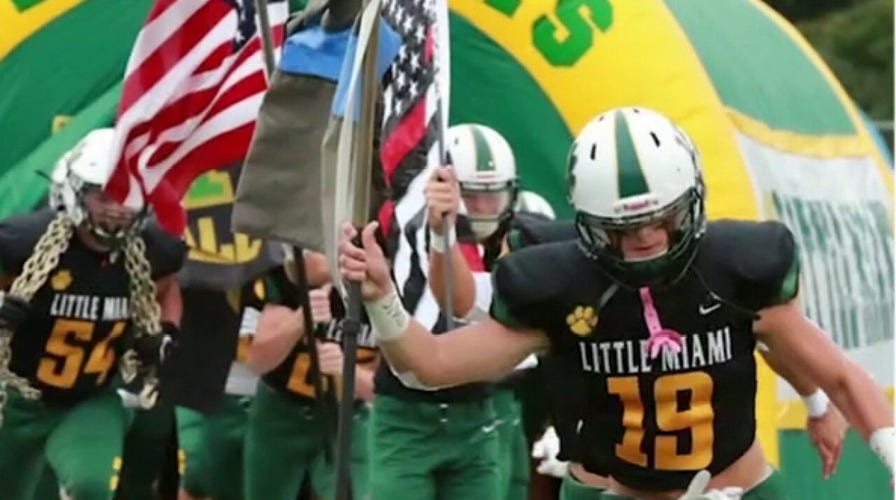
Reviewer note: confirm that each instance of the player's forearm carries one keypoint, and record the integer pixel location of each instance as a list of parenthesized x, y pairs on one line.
[(462, 281), (364, 383), (861, 400), (279, 329), (478, 352), (414, 351), (267, 354), (800, 381), (170, 300)]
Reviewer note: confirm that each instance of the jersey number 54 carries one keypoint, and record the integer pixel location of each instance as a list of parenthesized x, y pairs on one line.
[(66, 355)]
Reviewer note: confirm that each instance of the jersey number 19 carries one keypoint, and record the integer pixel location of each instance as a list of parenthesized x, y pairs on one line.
[(697, 419)]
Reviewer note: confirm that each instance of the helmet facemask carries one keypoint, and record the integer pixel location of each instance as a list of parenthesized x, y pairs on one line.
[(684, 220), (108, 221)]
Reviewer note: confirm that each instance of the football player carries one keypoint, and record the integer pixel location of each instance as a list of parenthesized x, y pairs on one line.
[(211, 451), (75, 281), (557, 447), (449, 449), (284, 437), (483, 174), (663, 309)]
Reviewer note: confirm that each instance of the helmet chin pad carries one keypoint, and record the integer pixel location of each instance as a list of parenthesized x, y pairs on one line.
[(484, 227)]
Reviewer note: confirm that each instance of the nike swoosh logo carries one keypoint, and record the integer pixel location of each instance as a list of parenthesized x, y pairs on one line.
[(704, 310), (489, 428)]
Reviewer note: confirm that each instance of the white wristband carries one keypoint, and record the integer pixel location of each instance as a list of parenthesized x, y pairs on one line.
[(442, 242), (387, 317), (816, 403), (883, 442)]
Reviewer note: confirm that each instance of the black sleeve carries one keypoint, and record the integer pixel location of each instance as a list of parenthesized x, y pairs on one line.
[(274, 287), (18, 237), (166, 253), (764, 260)]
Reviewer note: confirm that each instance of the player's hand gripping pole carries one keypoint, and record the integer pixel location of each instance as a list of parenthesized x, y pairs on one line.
[(447, 222), (355, 153), (323, 410)]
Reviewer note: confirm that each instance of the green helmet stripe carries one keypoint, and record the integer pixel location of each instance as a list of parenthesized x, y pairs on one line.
[(631, 178), (484, 159)]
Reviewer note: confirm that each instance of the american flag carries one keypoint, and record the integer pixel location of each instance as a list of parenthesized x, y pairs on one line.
[(416, 83), (192, 90)]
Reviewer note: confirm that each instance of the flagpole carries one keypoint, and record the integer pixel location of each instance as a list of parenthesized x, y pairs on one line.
[(448, 265), (267, 37), (310, 339), (445, 159), (361, 166)]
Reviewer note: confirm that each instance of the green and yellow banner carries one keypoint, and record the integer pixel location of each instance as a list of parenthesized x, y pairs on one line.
[(56, 58)]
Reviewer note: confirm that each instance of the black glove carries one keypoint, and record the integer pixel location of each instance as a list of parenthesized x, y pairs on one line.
[(13, 311), (152, 350)]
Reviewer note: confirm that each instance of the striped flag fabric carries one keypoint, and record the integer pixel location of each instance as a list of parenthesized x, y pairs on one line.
[(192, 90), (416, 84)]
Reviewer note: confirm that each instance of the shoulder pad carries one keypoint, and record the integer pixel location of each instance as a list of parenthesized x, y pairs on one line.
[(526, 282), (760, 257), (166, 253), (523, 217), (18, 236), (527, 231)]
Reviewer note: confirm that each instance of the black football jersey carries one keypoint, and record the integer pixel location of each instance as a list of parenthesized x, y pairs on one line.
[(67, 345), (652, 423), (293, 375)]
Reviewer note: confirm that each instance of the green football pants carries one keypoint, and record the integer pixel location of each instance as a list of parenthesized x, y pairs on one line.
[(284, 445), (436, 451), (513, 450), (211, 449), (82, 444), (145, 446), (48, 486)]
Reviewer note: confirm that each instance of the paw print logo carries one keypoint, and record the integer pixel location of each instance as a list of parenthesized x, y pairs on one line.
[(582, 320), (61, 280)]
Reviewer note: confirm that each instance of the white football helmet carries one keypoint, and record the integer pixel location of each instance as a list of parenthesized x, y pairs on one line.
[(629, 167), (86, 167), (533, 203), (486, 171)]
